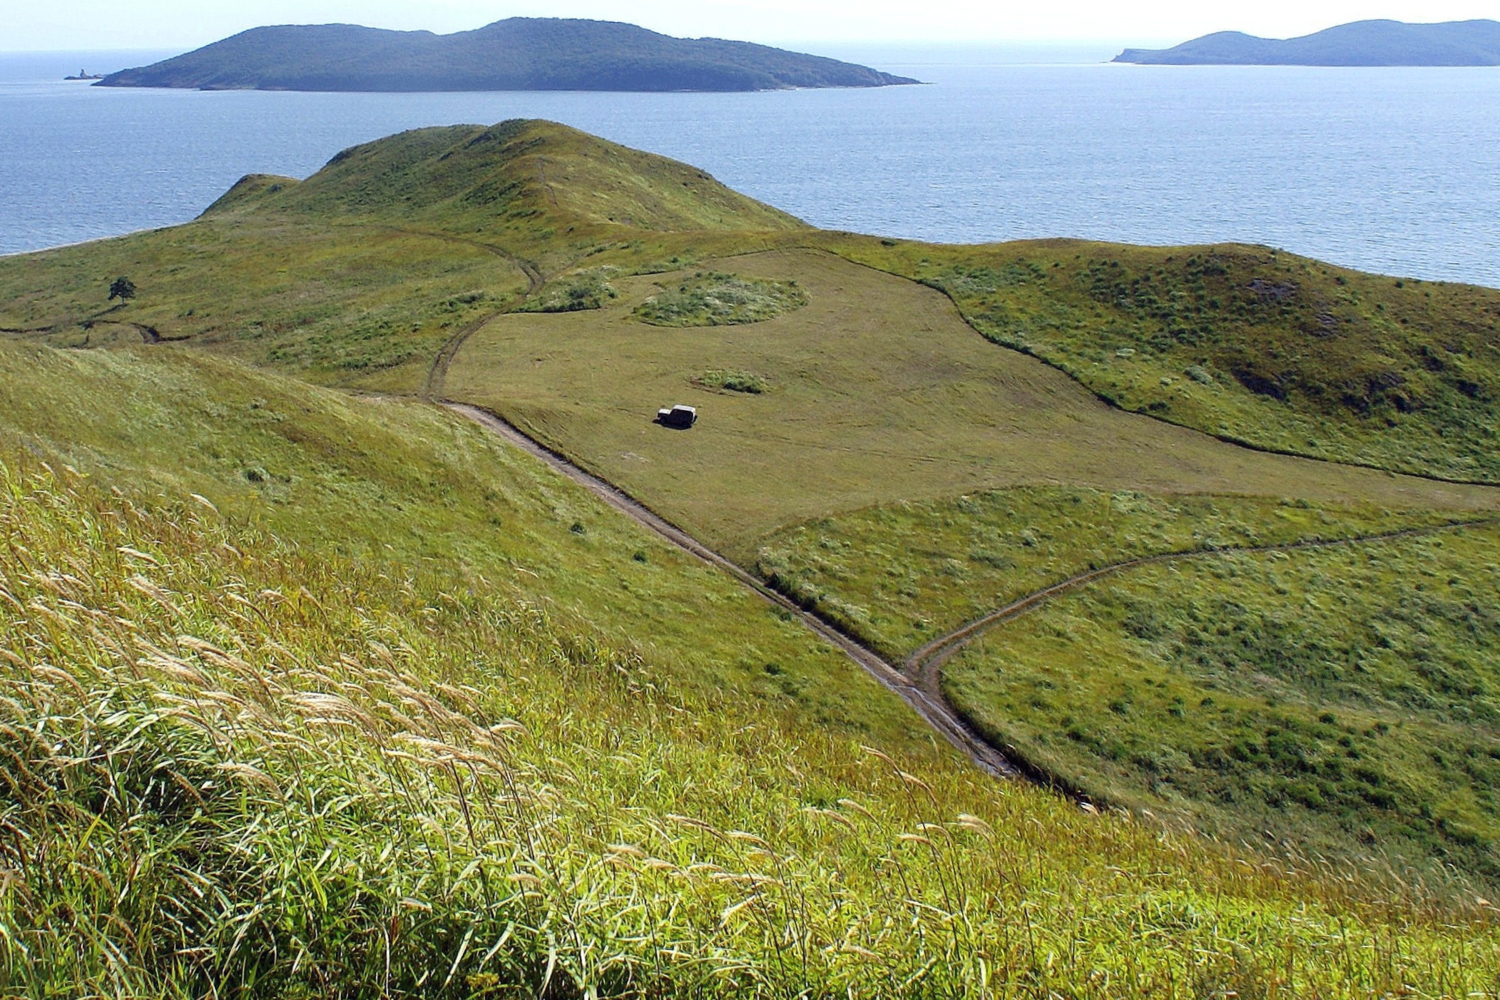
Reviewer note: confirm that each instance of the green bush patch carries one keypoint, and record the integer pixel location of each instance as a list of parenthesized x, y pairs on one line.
[(576, 293), (747, 382), (712, 299)]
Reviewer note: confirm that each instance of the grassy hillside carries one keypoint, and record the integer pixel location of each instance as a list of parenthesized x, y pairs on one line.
[(899, 575), (1332, 696), (1245, 343), (359, 275), (372, 478), (1164, 688), (267, 763), (311, 691)]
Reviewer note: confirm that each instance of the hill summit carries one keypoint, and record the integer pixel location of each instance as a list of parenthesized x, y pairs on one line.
[(1360, 43), (519, 53), (458, 176)]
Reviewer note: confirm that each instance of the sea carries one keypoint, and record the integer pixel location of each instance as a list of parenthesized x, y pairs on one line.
[(1395, 171)]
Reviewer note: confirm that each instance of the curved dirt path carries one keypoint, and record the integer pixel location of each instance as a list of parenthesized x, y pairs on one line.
[(935, 711), (919, 681), (924, 667), (432, 386)]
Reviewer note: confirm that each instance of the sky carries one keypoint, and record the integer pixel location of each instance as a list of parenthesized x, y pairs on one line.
[(55, 25)]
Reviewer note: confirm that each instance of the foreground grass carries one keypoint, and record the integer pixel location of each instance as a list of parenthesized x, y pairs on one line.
[(241, 767), (1340, 699)]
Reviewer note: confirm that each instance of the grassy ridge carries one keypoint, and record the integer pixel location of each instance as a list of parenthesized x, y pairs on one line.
[(273, 769), (358, 276), (1246, 343), (1336, 697)]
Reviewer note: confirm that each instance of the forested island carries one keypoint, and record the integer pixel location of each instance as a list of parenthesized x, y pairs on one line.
[(519, 53), (1360, 43)]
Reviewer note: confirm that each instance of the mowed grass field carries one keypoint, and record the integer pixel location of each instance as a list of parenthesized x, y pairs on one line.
[(878, 391)]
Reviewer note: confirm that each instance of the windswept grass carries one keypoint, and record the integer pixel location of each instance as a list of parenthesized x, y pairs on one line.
[(239, 768)]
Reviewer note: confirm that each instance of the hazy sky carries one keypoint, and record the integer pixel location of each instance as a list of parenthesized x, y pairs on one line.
[(38, 25)]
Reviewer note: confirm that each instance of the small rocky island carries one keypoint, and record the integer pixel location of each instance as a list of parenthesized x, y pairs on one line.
[(1361, 43), (520, 53)]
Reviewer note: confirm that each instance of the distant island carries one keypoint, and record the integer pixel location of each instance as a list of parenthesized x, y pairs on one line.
[(1361, 43), (515, 54)]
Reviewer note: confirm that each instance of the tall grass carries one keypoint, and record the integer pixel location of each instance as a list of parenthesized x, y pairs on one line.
[(232, 768)]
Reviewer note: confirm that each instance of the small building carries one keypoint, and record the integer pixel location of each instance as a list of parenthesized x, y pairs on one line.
[(679, 417)]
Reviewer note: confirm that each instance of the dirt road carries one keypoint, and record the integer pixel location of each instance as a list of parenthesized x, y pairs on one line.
[(919, 681)]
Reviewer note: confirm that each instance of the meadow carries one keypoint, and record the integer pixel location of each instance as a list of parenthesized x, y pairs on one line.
[(900, 575), (881, 393), (1248, 344)]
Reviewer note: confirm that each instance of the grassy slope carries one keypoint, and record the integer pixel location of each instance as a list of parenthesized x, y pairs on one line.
[(288, 759), (1245, 343), (390, 480), (1165, 688), (900, 575), (345, 479), (1338, 696)]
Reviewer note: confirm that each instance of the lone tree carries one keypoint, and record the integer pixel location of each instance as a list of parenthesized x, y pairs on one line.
[(123, 289)]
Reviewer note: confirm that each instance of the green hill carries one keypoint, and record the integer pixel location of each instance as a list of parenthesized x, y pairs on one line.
[(312, 687), (519, 53)]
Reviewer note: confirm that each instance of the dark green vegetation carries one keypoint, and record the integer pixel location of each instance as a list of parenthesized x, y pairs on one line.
[(710, 299), (1342, 694), (1361, 43), (519, 53), (582, 290), (733, 381), (1248, 344), (311, 692)]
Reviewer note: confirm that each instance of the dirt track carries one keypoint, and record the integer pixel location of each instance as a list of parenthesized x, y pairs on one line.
[(919, 683), (935, 711)]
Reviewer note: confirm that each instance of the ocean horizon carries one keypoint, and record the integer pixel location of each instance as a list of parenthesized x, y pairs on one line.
[(1388, 170)]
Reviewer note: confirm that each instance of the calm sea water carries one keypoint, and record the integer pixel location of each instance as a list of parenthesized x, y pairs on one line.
[(1390, 170)]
